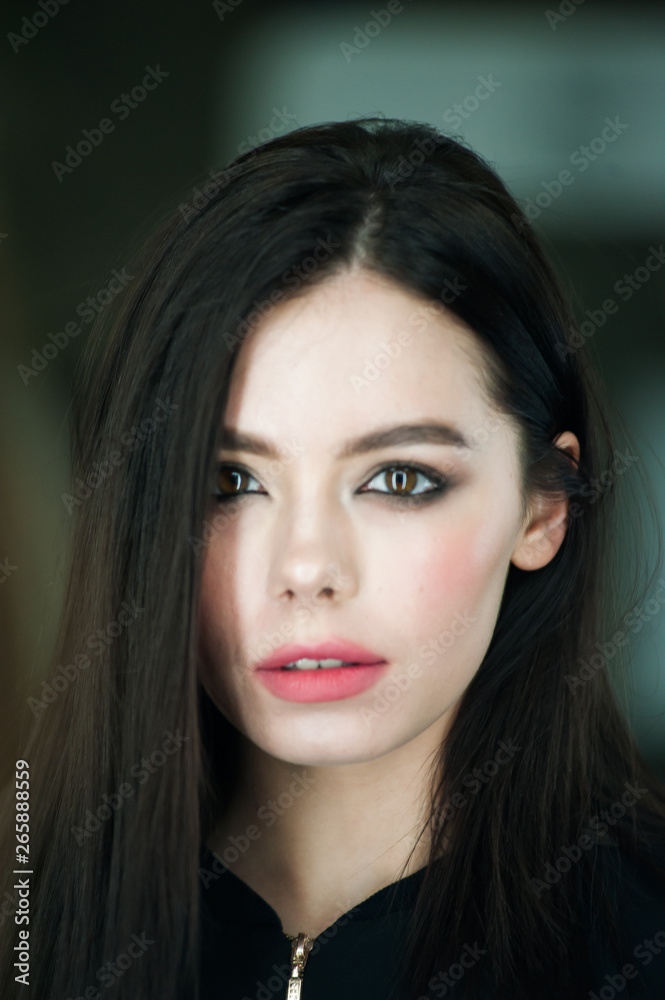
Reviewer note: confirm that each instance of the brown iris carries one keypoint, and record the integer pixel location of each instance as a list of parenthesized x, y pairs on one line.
[(401, 480), (230, 481)]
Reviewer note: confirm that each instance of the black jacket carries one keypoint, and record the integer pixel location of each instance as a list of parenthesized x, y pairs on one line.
[(245, 955)]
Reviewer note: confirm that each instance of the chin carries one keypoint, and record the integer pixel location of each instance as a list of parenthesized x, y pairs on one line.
[(335, 746)]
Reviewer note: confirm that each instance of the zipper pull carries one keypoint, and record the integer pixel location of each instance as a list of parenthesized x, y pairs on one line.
[(299, 951)]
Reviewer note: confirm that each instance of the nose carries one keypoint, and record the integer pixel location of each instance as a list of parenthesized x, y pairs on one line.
[(312, 555)]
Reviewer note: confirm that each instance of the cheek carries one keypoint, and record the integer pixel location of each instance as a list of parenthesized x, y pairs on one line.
[(452, 608), (218, 650), (227, 609), (456, 572), (449, 573), (212, 587), (216, 604), (221, 580), (471, 557)]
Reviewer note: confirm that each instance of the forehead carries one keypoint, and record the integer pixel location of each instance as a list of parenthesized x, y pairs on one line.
[(355, 351)]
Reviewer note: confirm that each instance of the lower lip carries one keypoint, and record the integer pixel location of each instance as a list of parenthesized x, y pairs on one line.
[(322, 684)]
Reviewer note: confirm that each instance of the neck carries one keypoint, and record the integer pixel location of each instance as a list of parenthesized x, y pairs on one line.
[(314, 841)]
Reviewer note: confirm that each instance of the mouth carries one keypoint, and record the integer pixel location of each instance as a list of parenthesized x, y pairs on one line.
[(305, 663), (331, 654), (327, 671), (321, 684)]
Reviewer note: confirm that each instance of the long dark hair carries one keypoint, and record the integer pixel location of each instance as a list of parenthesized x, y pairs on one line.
[(123, 696)]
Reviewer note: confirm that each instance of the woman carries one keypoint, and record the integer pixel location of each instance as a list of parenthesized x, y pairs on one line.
[(349, 477)]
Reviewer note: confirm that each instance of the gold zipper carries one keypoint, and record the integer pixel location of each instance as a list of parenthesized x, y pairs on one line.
[(299, 951)]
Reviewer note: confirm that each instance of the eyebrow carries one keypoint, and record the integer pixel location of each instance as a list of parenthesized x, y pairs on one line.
[(429, 433)]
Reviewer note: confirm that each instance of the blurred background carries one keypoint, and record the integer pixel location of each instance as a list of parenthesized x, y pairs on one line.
[(112, 114)]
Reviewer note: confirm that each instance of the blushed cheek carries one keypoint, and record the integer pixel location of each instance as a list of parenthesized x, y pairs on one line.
[(454, 611), (461, 575)]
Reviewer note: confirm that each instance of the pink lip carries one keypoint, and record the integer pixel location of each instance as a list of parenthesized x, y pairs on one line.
[(329, 684), (331, 649)]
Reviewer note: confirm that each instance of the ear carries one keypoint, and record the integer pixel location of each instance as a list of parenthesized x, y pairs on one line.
[(545, 530)]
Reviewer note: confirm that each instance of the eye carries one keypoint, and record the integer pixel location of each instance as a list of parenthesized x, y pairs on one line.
[(404, 486), (231, 482), (405, 483)]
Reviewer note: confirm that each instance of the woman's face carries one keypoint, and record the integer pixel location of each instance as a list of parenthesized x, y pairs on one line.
[(325, 544)]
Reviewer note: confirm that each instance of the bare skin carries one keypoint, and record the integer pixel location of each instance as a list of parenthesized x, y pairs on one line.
[(308, 555)]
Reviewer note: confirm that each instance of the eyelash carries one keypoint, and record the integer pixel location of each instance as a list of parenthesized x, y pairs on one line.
[(441, 483)]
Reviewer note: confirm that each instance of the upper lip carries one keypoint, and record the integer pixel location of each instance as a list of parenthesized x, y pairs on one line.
[(329, 649)]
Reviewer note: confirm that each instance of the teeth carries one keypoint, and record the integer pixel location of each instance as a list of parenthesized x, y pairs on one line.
[(307, 664)]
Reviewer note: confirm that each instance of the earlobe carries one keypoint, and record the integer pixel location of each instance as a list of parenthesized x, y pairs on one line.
[(541, 539)]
